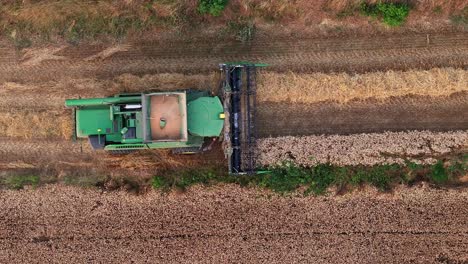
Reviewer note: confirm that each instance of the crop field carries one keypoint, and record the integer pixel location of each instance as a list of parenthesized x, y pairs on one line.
[(227, 223), (361, 119)]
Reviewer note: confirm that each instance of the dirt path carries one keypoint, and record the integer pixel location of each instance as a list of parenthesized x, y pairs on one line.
[(396, 114), (229, 224), (352, 54)]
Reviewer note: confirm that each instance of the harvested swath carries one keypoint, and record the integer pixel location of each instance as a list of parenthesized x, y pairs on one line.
[(53, 93), (28, 124), (361, 149), (272, 87), (166, 82), (343, 87)]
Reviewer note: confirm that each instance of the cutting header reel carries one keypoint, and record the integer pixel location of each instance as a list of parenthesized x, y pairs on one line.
[(239, 100)]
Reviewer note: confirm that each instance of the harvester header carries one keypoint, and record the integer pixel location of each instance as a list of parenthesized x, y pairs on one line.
[(239, 101)]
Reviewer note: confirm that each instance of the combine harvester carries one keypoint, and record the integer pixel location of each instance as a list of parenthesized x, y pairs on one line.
[(185, 121)]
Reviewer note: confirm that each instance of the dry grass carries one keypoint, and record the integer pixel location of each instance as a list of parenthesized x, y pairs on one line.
[(48, 124), (342, 87), (269, 9), (74, 19), (427, 6), (46, 13), (445, 6), (361, 149), (53, 93)]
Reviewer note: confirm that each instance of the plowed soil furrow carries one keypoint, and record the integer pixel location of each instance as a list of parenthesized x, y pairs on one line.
[(42, 150), (396, 114), (354, 61), (231, 224), (352, 54), (54, 157)]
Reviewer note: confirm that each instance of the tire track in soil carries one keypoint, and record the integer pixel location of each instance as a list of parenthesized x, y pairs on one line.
[(369, 116), (230, 223), (59, 157), (352, 54)]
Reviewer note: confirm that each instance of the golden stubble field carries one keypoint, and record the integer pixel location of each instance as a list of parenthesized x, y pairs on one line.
[(342, 87)]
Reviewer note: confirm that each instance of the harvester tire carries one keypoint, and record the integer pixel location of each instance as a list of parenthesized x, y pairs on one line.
[(97, 141)]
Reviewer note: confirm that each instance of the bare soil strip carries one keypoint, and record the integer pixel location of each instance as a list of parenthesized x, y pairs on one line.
[(36, 124), (351, 54), (42, 156), (59, 157), (369, 116), (230, 224)]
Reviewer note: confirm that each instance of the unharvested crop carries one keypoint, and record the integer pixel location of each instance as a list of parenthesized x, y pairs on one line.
[(343, 87), (361, 149)]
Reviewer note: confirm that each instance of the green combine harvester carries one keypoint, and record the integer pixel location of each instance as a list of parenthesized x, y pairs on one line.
[(184, 121)]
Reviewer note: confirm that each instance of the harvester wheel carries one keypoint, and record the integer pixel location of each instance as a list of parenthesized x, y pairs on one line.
[(186, 151), (97, 141)]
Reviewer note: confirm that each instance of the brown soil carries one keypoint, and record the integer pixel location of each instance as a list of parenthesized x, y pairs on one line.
[(229, 224), (53, 159), (395, 114)]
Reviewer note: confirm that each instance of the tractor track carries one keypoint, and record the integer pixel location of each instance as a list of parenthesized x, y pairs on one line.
[(27, 149), (351, 54), (233, 224), (354, 61), (369, 116), (55, 156)]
